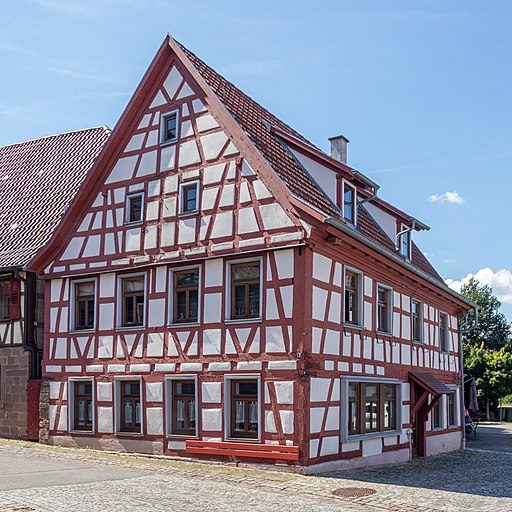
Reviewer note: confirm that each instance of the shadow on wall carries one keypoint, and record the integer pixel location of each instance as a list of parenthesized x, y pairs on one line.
[(481, 473)]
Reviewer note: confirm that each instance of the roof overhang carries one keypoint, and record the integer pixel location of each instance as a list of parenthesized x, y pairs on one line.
[(341, 226), (429, 382)]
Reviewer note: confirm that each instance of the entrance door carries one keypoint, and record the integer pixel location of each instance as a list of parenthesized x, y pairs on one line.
[(418, 425)]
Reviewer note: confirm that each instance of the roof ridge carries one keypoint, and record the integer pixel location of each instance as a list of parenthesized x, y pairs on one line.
[(103, 126)]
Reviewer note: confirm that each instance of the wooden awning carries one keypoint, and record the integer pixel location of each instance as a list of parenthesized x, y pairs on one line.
[(429, 382)]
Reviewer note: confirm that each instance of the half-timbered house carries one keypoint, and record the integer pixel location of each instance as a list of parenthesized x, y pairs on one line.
[(221, 287), (38, 180)]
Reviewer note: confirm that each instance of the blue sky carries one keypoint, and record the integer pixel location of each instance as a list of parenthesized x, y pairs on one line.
[(422, 89)]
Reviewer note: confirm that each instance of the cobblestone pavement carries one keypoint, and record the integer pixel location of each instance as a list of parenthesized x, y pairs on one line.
[(465, 481)]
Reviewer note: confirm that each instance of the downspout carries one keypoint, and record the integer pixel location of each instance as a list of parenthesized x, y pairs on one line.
[(27, 346), (406, 230), (369, 198)]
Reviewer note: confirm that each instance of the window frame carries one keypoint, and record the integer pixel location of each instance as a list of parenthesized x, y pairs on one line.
[(456, 410), (120, 302), (72, 381), (230, 297), (445, 333), (6, 283), (73, 305), (344, 413), (118, 381), (360, 312), (389, 294), (420, 321), (127, 215), (346, 183), (169, 405), (172, 297), (186, 185), (163, 118), (406, 231), (228, 406)]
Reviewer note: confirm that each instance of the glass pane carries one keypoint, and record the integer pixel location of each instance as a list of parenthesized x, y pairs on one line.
[(81, 413), (189, 198), (371, 391), (181, 306), (137, 413), (254, 299), (90, 313), (187, 279), (243, 272), (192, 414), (193, 306), (240, 300), (135, 208), (84, 289), (239, 416), (253, 416), (246, 388), (185, 388), (390, 391), (81, 314), (89, 413), (140, 309), (353, 417), (133, 285), (170, 127), (180, 414), (128, 310), (128, 412), (353, 390)]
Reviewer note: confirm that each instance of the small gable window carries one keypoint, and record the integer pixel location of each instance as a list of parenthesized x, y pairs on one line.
[(404, 242), (349, 202), (169, 127), (189, 194), (84, 305), (134, 207)]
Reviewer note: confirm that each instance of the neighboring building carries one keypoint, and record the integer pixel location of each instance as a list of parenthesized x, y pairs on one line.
[(38, 180), (222, 287)]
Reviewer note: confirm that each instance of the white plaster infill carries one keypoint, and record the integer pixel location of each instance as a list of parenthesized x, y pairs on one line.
[(219, 367), (94, 368), (163, 367), (191, 367), (140, 368), (53, 368), (248, 365), (282, 365), (116, 368)]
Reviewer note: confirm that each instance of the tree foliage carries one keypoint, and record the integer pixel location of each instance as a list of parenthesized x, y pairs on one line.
[(487, 346)]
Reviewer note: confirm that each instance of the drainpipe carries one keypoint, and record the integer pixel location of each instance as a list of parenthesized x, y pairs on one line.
[(406, 230), (369, 198)]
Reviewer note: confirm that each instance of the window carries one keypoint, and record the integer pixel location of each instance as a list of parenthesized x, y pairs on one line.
[(245, 290), (133, 301), (169, 127), (349, 202), (416, 309), (82, 405), (186, 295), (189, 197), (183, 413), (244, 408), (405, 242), (84, 305), (452, 418), (134, 207), (372, 407), (130, 406), (443, 332), (436, 415), (352, 297), (5, 299), (383, 309)]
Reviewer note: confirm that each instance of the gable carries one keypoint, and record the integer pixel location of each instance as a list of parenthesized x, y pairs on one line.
[(237, 211)]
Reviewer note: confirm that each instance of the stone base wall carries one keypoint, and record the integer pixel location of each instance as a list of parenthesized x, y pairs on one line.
[(14, 372)]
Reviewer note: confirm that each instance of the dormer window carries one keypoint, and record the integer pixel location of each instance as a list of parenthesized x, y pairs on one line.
[(169, 127), (349, 202), (404, 241)]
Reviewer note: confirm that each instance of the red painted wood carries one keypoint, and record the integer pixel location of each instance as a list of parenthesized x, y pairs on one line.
[(252, 450), (33, 389)]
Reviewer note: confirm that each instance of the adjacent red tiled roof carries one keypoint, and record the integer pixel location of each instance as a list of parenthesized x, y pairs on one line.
[(250, 116), (38, 180)]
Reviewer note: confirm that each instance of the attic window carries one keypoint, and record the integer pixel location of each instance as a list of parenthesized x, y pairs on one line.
[(189, 194), (405, 242), (169, 127), (349, 202), (134, 207)]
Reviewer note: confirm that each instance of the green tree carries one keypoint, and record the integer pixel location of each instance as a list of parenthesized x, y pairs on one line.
[(487, 347)]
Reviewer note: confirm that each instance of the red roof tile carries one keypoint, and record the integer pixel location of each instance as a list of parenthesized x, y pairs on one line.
[(38, 180), (250, 116)]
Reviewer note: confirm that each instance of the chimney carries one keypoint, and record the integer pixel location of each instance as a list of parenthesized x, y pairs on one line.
[(339, 148)]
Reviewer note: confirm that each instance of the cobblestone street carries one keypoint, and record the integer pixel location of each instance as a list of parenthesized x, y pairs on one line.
[(38, 478)]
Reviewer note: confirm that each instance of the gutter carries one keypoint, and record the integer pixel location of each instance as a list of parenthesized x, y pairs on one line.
[(396, 259)]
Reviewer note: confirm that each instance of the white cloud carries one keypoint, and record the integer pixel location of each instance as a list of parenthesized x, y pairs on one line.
[(447, 197), (500, 282)]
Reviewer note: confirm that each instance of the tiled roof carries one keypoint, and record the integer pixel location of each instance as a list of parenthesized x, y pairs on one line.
[(250, 116), (38, 180)]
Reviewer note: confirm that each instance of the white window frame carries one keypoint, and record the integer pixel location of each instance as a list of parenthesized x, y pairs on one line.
[(72, 317), (227, 310), (171, 322), (345, 381), (420, 312), (443, 415), (71, 405), (343, 183), (129, 196), (389, 292), (168, 405), (184, 184), (446, 331), (227, 407), (117, 405), (163, 118), (456, 406), (119, 306), (360, 284)]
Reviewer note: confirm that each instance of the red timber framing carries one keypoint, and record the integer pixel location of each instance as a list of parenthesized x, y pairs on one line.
[(269, 274)]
